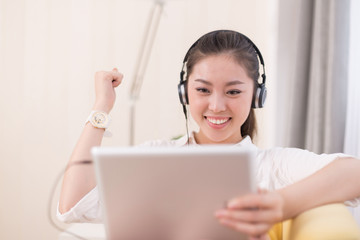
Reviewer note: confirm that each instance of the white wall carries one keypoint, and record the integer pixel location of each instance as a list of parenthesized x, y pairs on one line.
[(49, 51)]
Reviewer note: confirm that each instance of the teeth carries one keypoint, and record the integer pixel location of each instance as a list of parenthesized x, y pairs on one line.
[(217, 121)]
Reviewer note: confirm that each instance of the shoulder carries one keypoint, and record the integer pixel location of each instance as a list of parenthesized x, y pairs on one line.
[(281, 155), (284, 166)]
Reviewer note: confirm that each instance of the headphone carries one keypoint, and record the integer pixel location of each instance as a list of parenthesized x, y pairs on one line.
[(260, 93)]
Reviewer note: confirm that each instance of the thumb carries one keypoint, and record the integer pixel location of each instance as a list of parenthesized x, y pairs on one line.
[(261, 190), (117, 78)]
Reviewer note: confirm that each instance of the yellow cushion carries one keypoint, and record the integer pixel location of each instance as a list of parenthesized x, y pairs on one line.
[(276, 232), (329, 222)]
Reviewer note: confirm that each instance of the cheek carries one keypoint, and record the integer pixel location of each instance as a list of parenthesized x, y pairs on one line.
[(195, 106), (249, 97), (243, 105), (194, 99)]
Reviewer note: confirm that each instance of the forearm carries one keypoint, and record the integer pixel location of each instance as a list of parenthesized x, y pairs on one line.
[(80, 179), (336, 182)]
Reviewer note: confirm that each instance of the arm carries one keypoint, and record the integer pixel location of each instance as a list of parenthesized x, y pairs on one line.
[(337, 182), (79, 180)]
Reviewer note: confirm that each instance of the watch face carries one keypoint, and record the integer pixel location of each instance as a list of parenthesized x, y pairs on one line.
[(99, 120)]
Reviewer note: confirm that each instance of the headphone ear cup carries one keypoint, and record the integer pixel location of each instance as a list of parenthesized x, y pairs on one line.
[(260, 96), (183, 93)]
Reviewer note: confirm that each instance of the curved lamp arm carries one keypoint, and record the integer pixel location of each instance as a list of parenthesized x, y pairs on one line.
[(142, 62)]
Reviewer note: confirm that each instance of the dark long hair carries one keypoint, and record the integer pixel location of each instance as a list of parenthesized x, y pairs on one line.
[(240, 49)]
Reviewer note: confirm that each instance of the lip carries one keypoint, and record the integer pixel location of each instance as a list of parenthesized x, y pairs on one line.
[(217, 126)]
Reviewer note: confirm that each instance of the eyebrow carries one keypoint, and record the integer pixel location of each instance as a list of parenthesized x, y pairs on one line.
[(235, 82)]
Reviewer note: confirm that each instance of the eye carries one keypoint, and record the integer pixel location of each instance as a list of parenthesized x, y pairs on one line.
[(233, 92), (202, 90)]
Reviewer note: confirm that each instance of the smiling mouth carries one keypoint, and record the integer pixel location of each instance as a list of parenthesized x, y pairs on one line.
[(217, 121)]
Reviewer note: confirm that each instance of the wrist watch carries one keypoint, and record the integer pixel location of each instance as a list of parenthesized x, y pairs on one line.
[(99, 119)]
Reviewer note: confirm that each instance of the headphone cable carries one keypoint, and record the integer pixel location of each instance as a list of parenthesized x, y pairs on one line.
[(187, 125), (52, 193)]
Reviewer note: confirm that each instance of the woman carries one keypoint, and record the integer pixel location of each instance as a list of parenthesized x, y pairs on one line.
[(219, 83)]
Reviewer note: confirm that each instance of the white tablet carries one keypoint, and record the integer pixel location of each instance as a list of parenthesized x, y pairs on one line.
[(157, 193)]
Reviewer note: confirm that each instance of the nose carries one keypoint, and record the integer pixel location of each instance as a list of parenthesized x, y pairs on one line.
[(217, 103)]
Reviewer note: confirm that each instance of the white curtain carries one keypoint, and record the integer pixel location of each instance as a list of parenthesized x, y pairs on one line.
[(327, 90), (294, 45), (319, 108), (352, 133), (312, 74)]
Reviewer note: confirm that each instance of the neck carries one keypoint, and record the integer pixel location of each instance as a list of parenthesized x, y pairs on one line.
[(202, 139)]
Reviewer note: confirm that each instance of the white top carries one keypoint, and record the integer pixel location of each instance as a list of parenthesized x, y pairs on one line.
[(275, 168)]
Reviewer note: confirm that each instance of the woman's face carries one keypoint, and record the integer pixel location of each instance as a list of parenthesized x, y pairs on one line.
[(220, 94)]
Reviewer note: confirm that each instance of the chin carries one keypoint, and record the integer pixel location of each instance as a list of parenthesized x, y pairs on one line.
[(219, 139)]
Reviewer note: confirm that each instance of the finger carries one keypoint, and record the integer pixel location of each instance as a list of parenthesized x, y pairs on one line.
[(253, 230), (116, 78), (247, 201), (262, 237), (253, 201), (262, 190), (115, 69), (265, 237), (253, 216)]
